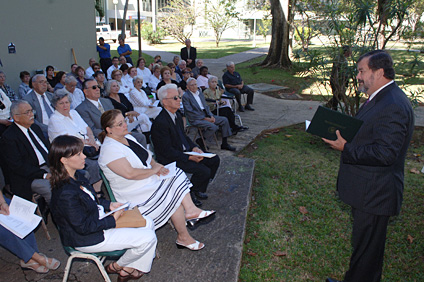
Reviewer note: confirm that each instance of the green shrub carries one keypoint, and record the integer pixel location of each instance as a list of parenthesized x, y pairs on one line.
[(154, 37)]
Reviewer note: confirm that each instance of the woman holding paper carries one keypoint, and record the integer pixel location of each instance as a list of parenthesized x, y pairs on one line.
[(77, 212), (134, 176), (26, 249)]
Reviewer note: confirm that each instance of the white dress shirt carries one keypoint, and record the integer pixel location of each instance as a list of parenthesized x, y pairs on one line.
[(40, 157), (43, 109)]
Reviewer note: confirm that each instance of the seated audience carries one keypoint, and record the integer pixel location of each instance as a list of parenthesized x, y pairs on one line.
[(170, 143), (123, 61), (134, 176), (40, 101), (24, 86), (96, 67), (175, 76), (140, 101), (196, 70), (202, 78), (76, 212), (75, 94), (5, 104), (90, 71), (198, 113), (80, 71), (6, 88), (155, 78), (99, 76), (144, 72), (60, 80), (213, 94), (120, 102), (186, 75), (51, 81), (128, 78), (235, 85), (176, 60), (114, 66), (180, 67), (65, 121), (24, 150), (73, 70), (125, 50), (26, 249), (165, 73)]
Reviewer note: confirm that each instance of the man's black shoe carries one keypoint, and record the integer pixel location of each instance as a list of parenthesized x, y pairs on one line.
[(248, 107), (227, 147), (201, 144), (241, 109), (332, 280), (196, 201), (201, 195), (242, 128)]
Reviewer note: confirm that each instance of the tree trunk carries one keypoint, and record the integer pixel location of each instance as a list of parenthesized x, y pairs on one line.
[(124, 19), (278, 54)]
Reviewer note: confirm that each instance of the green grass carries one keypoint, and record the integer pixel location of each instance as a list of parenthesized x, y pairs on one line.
[(294, 169), (208, 50)]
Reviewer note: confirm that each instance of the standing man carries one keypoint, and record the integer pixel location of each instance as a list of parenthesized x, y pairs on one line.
[(40, 101), (125, 50), (371, 170), (104, 54), (189, 54), (170, 143), (235, 85)]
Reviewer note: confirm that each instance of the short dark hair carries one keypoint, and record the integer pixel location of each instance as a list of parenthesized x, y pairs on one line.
[(380, 59), (49, 67), (124, 67), (96, 74), (95, 64), (84, 84), (23, 73), (101, 38), (115, 58), (202, 68)]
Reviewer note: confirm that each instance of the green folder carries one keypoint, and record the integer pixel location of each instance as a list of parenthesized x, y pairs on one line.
[(326, 121)]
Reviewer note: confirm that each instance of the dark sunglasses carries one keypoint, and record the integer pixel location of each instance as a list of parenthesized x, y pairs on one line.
[(175, 98), (94, 87)]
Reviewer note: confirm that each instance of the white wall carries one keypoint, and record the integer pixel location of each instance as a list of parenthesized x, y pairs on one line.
[(44, 31)]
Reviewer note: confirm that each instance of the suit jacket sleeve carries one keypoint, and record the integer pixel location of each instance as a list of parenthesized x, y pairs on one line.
[(388, 131), (191, 111), (85, 114)]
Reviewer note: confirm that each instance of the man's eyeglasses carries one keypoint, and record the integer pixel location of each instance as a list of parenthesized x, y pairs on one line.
[(175, 98), (27, 113), (94, 87)]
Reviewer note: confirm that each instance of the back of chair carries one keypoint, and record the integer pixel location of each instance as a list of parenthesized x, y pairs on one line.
[(107, 185)]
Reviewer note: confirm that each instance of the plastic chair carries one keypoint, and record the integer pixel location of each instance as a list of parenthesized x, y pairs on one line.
[(98, 258)]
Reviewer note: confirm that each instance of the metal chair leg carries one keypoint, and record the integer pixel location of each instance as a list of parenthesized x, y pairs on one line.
[(43, 223)]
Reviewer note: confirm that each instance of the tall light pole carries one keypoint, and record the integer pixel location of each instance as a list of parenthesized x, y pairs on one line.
[(115, 2)]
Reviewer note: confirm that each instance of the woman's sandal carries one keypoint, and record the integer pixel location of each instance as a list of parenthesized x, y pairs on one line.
[(34, 266), (111, 269), (130, 275), (192, 247), (51, 265), (201, 217)]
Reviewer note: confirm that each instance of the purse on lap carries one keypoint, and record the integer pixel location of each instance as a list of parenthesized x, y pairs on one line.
[(131, 219)]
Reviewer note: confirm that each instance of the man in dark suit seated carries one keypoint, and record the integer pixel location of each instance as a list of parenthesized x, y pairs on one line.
[(25, 151), (92, 108), (371, 170), (235, 85), (40, 101), (198, 114), (170, 142), (189, 54)]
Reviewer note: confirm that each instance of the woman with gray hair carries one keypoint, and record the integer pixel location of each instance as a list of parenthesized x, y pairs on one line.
[(6, 88), (141, 102), (65, 121)]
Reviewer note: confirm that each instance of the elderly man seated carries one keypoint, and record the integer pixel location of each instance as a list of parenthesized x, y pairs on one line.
[(235, 85), (170, 143), (198, 114), (75, 94)]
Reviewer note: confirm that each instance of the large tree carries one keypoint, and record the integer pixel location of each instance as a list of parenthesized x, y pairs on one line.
[(220, 15), (278, 54), (178, 18)]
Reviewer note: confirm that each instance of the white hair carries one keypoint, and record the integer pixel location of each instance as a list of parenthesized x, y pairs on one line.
[(230, 64), (163, 91)]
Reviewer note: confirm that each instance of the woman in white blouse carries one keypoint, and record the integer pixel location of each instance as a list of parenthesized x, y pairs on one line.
[(141, 102), (4, 112), (65, 121)]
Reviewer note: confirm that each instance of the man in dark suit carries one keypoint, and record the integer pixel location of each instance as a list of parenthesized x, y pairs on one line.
[(371, 171), (25, 151), (40, 101), (189, 54), (198, 114), (92, 108), (170, 143)]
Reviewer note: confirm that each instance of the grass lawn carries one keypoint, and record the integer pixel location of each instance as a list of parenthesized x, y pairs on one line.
[(298, 230), (208, 50)]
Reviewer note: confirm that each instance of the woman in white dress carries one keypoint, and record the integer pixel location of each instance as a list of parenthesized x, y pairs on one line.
[(65, 121), (140, 101), (155, 78), (135, 177)]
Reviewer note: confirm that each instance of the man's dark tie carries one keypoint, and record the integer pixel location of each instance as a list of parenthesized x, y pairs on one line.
[(186, 145), (46, 106), (39, 147)]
